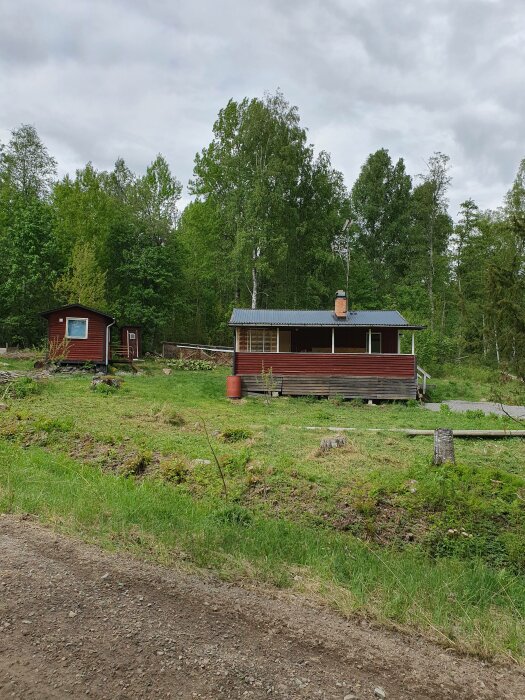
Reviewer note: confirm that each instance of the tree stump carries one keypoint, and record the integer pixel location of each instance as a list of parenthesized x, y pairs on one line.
[(332, 442), (108, 380), (444, 446)]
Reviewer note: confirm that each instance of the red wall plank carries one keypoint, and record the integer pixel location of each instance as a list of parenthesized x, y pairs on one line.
[(93, 348), (353, 365)]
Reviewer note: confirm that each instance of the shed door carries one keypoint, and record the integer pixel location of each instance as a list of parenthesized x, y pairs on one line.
[(132, 342)]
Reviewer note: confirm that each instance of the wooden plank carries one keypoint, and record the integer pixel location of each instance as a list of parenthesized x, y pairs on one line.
[(347, 387), (255, 384), (327, 364)]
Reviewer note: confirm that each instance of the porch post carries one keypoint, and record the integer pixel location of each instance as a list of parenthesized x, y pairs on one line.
[(278, 343), (413, 344), (369, 341), (398, 343), (333, 340)]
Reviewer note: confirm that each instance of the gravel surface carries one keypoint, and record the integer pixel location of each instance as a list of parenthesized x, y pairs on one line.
[(79, 622), (487, 407)]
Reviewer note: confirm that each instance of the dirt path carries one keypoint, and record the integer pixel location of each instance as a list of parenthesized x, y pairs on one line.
[(79, 622)]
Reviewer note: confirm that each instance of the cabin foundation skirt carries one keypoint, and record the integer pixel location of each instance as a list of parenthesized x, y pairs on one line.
[(387, 388)]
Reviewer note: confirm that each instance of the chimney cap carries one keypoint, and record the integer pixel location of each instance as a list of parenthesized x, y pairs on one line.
[(340, 294)]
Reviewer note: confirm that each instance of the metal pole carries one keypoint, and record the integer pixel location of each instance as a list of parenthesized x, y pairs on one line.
[(413, 344), (333, 340), (278, 341), (369, 341)]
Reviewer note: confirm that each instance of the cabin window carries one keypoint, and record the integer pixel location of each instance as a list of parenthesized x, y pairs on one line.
[(257, 340), (77, 328)]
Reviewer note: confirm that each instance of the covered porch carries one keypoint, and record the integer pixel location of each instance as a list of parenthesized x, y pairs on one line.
[(323, 340)]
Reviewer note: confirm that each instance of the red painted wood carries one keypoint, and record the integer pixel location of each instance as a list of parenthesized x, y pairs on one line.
[(349, 365), (134, 345), (93, 348)]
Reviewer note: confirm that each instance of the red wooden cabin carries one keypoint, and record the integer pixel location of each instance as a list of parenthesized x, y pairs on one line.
[(77, 334), (353, 354)]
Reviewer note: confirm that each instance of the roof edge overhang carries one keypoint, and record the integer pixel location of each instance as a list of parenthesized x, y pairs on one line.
[(45, 314), (334, 324)]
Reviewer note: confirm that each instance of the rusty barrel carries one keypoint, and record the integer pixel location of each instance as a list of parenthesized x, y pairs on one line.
[(233, 387)]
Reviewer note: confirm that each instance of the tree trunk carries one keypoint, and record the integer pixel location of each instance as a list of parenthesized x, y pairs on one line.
[(496, 343), (444, 446), (255, 281), (254, 288)]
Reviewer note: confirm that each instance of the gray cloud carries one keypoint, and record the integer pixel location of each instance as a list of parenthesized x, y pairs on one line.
[(101, 79)]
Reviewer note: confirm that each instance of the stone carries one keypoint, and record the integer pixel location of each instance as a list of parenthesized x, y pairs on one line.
[(3, 407), (202, 461), (379, 693), (166, 370)]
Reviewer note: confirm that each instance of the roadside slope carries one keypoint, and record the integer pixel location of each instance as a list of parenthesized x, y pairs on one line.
[(80, 621)]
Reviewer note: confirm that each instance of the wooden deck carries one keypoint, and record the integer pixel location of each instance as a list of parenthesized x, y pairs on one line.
[(387, 388), (350, 375)]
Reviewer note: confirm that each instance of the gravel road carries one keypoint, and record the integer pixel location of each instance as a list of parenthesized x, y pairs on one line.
[(79, 622)]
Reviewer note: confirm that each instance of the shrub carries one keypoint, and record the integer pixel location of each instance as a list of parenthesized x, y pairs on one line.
[(236, 435), (22, 387), (169, 415), (234, 515), (191, 365), (235, 463), (54, 425), (106, 389), (174, 470), (136, 464)]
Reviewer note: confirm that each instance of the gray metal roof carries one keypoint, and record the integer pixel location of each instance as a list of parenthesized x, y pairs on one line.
[(289, 317)]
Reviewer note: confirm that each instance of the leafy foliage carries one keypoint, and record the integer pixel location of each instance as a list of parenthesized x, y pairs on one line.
[(272, 224)]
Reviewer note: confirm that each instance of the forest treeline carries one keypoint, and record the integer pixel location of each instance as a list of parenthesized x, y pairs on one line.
[(271, 224)]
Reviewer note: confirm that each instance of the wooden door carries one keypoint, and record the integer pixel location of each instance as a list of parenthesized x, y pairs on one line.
[(132, 343)]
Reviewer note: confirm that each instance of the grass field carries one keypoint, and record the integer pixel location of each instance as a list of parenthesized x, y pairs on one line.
[(371, 527)]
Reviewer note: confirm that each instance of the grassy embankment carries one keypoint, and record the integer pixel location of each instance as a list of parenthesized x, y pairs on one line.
[(371, 527)]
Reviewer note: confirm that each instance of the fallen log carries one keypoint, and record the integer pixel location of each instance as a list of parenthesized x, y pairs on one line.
[(415, 432)]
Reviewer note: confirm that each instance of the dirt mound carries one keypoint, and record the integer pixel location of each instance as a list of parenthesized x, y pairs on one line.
[(79, 622)]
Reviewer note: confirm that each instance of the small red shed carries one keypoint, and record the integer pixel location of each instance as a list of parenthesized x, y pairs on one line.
[(78, 334)]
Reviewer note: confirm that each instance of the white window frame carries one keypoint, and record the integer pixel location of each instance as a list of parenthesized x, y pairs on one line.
[(264, 331), (76, 337)]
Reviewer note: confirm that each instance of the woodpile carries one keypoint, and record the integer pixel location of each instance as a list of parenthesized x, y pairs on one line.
[(219, 356)]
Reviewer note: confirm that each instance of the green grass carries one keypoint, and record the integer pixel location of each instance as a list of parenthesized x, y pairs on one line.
[(371, 527), (472, 383), (463, 604)]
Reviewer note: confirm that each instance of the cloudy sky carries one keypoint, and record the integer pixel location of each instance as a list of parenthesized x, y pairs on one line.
[(133, 78)]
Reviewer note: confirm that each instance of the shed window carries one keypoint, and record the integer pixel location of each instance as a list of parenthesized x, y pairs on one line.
[(77, 328)]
